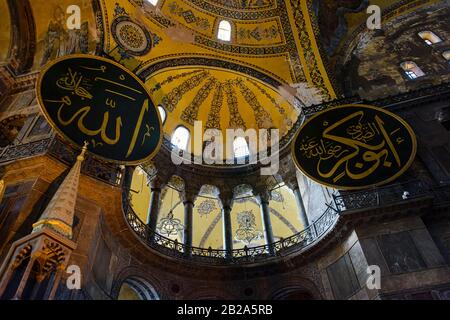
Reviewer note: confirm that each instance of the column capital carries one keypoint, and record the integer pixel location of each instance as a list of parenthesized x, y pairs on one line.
[(263, 193), (189, 194), (226, 197), (264, 198), (156, 184), (292, 184), (129, 170)]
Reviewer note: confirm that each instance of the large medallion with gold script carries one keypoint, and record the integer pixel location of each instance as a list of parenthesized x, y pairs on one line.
[(354, 147), (93, 99)]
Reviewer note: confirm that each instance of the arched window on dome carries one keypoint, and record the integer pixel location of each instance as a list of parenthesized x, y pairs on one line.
[(446, 56), (153, 2), (240, 148), (180, 138), (412, 70), (224, 33), (429, 37), (162, 114)]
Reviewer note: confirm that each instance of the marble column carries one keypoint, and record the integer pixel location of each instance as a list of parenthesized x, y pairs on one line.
[(155, 203), (226, 223), (301, 206), (188, 201), (127, 177), (264, 198)]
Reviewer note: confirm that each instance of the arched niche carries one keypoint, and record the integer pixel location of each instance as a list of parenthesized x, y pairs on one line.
[(135, 288)]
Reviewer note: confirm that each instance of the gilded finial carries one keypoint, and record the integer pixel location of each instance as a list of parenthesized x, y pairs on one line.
[(83, 151)]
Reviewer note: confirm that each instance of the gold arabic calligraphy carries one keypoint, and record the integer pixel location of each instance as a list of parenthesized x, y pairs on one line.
[(79, 85), (368, 140)]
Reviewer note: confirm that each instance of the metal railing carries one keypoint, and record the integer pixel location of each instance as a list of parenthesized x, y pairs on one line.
[(109, 173), (282, 247), (407, 99), (20, 151), (383, 196)]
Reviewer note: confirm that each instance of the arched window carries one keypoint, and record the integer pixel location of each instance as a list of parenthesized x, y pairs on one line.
[(163, 114), (240, 148), (429, 37), (224, 33), (446, 55), (137, 289), (153, 2), (180, 137), (411, 69)]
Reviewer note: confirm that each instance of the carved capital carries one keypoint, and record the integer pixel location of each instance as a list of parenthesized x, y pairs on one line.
[(292, 183), (156, 184), (226, 197), (189, 194)]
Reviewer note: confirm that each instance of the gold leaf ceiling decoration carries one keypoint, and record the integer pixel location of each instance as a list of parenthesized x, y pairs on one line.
[(220, 99), (273, 46), (248, 82), (237, 84)]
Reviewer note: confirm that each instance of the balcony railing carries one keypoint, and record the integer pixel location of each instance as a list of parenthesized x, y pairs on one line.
[(54, 147), (367, 199), (407, 99), (381, 196), (25, 150), (244, 255)]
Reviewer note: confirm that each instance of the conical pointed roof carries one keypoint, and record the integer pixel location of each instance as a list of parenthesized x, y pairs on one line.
[(60, 212)]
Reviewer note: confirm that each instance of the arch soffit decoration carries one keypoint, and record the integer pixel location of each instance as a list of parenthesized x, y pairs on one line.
[(144, 277), (296, 284), (289, 14)]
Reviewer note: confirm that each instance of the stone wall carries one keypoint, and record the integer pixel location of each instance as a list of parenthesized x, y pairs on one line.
[(404, 251), (370, 67)]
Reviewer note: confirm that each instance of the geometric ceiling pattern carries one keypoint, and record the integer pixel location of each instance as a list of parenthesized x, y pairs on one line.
[(196, 77), (220, 99), (246, 83), (272, 53)]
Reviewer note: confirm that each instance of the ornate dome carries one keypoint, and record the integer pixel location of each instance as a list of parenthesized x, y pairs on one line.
[(249, 82), (174, 228)]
